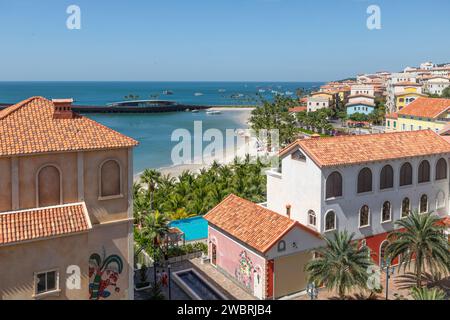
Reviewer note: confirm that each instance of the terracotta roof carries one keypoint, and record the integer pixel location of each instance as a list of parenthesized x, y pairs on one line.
[(393, 115), (426, 107), (361, 95), (401, 94), (298, 109), (346, 150), (42, 223), (29, 127), (360, 102), (256, 226)]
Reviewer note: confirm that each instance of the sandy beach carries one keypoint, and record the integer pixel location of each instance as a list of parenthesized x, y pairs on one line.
[(245, 145)]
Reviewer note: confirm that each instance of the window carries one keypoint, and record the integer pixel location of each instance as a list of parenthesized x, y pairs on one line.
[(364, 216), (281, 246), (441, 169), (386, 213), (298, 155), (424, 172), (110, 179), (334, 185), (440, 200), (423, 207), (406, 174), (46, 282), (365, 180), (330, 221), (48, 186), (405, 207), (387, 177), (311, 218)]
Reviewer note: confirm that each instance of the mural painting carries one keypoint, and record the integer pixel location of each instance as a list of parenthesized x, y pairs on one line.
[(103, 275), (244, 270)]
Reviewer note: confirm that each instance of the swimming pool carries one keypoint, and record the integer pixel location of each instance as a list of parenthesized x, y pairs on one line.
[(195, 228)]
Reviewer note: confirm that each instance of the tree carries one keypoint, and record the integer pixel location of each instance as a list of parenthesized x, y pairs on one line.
[(423, 293), (420, 240), (275, 116), (151, 178), (341, 265), (446, 93)]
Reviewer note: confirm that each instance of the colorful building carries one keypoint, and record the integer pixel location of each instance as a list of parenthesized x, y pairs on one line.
[(424, 113), (362, 184), (66, 218), (262, 251), (363, 107), (406, 94)]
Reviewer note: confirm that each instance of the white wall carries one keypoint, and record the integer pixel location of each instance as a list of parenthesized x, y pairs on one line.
[(302, 184)]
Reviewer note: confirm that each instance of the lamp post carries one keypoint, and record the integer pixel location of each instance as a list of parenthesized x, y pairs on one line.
[(386, 266), (312, 291), (170, 279)]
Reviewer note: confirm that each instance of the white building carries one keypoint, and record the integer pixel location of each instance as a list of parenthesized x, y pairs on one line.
[(394, 79), (427, 65), (436, 85), (316, 103), (362, 184)]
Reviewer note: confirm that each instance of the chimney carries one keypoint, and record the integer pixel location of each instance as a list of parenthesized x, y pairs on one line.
[(288, 210), (63, 108)]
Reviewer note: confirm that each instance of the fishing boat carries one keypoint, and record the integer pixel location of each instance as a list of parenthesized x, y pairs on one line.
[(198, 94), (222, 90), (195, 111), (213, 112)]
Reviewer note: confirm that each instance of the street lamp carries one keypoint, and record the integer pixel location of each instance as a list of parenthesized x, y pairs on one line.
[(170, 278), (386, 266), (312, 291)]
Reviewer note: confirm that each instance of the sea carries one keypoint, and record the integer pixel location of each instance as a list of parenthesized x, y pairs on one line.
[(154, 131)]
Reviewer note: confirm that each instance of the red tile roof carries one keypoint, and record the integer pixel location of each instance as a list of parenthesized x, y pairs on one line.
[(426, 107), (256, 226), (43, 223), (393, 115), (29, 127), (346, 150), (297, 109), (408, 83)]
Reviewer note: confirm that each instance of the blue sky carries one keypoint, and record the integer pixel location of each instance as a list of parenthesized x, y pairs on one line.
[(259, 40)]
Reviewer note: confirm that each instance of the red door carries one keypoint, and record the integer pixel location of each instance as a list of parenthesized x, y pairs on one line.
[(269, 278)]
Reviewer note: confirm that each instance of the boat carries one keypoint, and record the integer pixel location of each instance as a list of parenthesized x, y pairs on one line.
[(198, 94), (167, 92), (222, 90), (261, 90), (212, 112), (289, 93), (195, 111)]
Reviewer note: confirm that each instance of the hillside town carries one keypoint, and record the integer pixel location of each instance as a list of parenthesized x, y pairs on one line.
[(358, 207)]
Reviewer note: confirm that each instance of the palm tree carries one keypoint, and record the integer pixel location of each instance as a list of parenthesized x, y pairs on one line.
[(420, 293), (151, 178), (420, 239), (341, 265)]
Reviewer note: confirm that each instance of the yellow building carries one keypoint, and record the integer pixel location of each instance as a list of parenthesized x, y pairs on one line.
[(409, 94), (423, 113)]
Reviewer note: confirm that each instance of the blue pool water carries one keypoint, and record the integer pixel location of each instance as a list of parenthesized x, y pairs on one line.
[(195, 228)]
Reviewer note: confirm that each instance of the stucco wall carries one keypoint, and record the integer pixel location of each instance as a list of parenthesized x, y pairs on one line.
[(290, 275), (239, 262), (5, 184), (18, 263)]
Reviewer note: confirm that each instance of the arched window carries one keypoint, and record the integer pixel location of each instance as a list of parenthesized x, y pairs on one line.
[(441, 169), (406, 174), (364, 216), (383, 247), (423, 207), (281, 246), (386, 177), (386, 214), (330, 221), (365, 180), (406, 209), (440, 200), (48, 186), (110, 179), (424, 172), (334, 185), (312, 218)]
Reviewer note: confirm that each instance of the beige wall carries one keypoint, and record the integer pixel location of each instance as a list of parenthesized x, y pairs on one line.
[(111, 209), (20, 262), (290, 276), (5, 184)]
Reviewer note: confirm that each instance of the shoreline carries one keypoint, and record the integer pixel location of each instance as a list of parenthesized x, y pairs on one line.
[(243, 146)]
